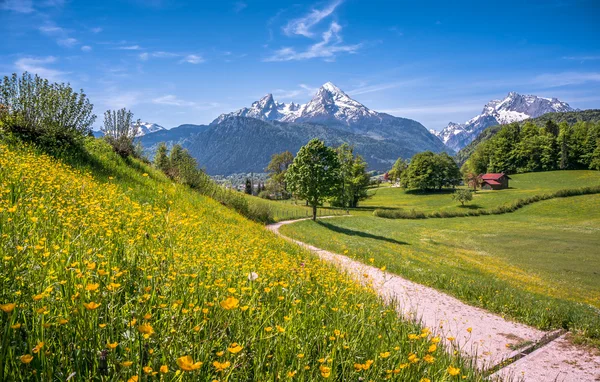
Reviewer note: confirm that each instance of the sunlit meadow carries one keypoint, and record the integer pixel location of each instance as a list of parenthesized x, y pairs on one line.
[(104, 280)]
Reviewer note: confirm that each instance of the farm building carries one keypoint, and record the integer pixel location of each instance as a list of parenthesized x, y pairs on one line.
[(494, 181)]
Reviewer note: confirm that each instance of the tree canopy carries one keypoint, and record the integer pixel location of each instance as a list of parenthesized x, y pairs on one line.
[(280, 162), (314, 174), (525, 148), (353, 178), (430, 171)]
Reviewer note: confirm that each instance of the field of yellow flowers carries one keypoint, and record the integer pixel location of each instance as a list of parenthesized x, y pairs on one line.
[(130, 277)]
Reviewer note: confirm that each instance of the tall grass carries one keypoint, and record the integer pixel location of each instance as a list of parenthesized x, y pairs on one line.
[(110, 271)]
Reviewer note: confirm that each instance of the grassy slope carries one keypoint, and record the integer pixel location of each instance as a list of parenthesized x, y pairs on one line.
[(540, 265), (521, 185), (288, 209), (160, 260)]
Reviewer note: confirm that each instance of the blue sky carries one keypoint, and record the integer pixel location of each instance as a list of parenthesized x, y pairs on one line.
[(175, 61)]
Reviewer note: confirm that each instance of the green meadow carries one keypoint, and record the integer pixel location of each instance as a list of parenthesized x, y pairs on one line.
[(521, 186), (539, 265)]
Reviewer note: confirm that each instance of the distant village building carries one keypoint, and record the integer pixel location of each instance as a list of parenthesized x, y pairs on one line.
[(494, 181)]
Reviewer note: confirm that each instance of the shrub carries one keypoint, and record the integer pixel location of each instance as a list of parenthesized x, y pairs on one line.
[(50, 115), (463, 196), (120, 131)]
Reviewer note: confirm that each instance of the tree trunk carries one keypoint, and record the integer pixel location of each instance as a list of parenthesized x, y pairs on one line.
[(314, 213)]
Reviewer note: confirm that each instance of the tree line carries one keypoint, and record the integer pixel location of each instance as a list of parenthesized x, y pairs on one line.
[(526, 148)]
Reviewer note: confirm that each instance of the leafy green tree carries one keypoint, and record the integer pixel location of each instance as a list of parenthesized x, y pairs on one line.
[(595, 158), (314, 174), (161, 159), (463, 196), (354, 179), (277, 168), (51, 114), (120, 131), (395, 174), (248, 187), (472, 180), (430, 171)]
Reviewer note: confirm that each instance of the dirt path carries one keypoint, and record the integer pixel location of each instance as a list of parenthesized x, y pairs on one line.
[(487, 337)]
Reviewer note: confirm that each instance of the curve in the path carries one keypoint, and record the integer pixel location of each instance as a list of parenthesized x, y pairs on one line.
[(486, 337)]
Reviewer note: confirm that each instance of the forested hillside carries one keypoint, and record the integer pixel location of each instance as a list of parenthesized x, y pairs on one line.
[(528, 147), (569, 117)]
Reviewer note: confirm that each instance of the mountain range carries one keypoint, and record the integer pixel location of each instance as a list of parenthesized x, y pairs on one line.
[(244, 140), (513, 108)]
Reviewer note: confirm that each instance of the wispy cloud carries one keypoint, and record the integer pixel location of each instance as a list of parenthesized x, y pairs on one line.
[(172, 100), (581, 58), (51, 29), (38, 66), (384, 86), (160, 54), (96, 30), (566, 78), (68, 42), (192, 59), (20, 6), (239, 6), (129, 47), (123, 99), (60, 34), (86, 48), (303, 25), (330, 45), (396, 31), (436, 109), (302, 90)]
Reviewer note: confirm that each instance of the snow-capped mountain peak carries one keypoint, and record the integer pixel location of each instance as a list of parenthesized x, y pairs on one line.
[(514, 107), (330, 104), (147, 128)]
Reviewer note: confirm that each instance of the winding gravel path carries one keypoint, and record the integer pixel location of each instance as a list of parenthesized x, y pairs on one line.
[(486, 337)]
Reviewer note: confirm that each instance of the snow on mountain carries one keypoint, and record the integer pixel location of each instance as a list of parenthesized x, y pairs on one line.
[(265, 109), (513, 108), (330, 104), (147, 128)]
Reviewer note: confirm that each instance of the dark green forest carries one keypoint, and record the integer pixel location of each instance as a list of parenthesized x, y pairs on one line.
[(528, 147), (570, 117)]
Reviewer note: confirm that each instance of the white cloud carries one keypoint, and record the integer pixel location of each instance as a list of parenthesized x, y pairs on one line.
[(20, 6), (51, 29), (327, 48), (302, 26), (144, 56), (566, 78), (86, 48), (123, 99), (61, 35), (192, 59), (239, 6), (96, 30), (172, 100), (130, 47), (68, 42), (379, 87), (37, 66)]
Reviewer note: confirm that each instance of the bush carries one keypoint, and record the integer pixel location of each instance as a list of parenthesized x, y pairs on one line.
[(120, 131), (50, 115), (260, 212)]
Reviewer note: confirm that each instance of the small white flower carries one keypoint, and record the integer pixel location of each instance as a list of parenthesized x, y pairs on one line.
[(252, 276)]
